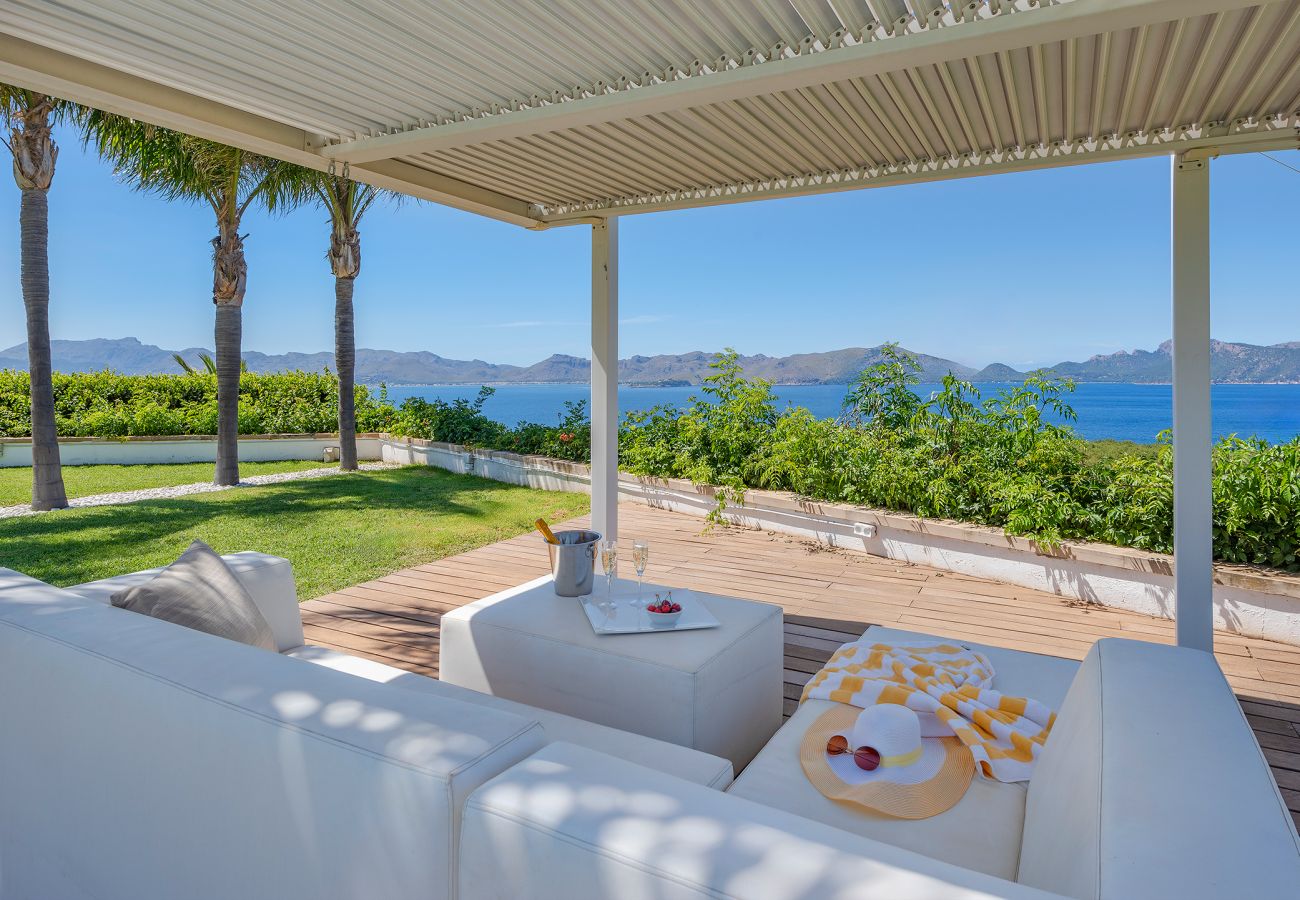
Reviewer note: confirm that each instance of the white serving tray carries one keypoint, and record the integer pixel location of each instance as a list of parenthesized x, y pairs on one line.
[(617, 615)]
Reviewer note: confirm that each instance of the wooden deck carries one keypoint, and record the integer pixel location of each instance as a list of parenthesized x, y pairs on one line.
[(829, 597)]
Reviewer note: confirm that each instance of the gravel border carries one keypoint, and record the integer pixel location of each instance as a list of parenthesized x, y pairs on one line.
[(184, 490)]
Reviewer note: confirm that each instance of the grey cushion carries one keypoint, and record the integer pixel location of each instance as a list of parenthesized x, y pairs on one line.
[(199, 591)]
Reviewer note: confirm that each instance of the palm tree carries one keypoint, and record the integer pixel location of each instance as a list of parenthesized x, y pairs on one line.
[(29, 116), (209, 365), (178, 166), (346, 201)]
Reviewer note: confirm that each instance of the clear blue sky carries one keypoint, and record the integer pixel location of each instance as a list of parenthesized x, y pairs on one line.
[(1027, 269)]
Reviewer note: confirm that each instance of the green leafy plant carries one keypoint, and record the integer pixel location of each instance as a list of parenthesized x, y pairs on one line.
[(1009, 460), (882, 396), (718, 440), (107, 404), (458, 422), (570, 439)]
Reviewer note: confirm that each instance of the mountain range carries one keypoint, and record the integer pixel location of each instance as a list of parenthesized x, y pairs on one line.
[(1230, 362)]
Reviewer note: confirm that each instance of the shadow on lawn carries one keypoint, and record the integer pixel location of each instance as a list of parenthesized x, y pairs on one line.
[(72, 546)]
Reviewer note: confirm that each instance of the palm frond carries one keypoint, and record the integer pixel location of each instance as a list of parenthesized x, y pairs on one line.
[(368, 194), (155, 160), (173, 165), (16, 101), (345, 200), (284, 186)]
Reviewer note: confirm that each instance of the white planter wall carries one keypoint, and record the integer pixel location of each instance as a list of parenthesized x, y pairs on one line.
[(1246, 602), (538, 472), (156, 451)]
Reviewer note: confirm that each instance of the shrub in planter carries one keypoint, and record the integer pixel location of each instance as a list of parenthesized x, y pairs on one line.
[(203, 418), (101, 422), (458, 422), (150, 418), (1001, 460), (107, 404)]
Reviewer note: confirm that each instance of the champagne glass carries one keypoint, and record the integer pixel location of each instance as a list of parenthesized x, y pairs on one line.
[(609, 563), (640, 559)]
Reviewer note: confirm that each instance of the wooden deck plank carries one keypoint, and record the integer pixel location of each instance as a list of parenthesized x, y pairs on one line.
[(829, 597)]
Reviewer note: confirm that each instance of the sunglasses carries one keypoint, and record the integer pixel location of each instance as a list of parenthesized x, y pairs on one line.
[(867, 758)]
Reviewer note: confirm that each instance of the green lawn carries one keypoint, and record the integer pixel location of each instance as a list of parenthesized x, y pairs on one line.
[(337, 531), (83, 481)]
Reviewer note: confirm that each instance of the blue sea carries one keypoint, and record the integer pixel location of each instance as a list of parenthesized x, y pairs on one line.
[(1129, 412)]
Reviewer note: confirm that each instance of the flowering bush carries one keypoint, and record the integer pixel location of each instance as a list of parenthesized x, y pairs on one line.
[(464, 422)]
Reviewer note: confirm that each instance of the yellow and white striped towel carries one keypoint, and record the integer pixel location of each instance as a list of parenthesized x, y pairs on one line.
[(950, 689)]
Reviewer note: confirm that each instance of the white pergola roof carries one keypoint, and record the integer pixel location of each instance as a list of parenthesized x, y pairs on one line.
[(543, 112), (552, 112)]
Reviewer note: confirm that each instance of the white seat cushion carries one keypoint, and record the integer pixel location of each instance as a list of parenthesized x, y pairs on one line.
[(981, 832), (572, 824), (692, 765)]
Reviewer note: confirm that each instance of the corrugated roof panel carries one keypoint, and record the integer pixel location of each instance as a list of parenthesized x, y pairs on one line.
[(349, 72)]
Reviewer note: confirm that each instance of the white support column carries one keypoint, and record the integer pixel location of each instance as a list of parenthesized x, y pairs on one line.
[(604, 378), (1193, 502)]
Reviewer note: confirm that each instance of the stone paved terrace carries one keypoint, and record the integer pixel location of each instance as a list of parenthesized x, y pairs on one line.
[(829, 597)]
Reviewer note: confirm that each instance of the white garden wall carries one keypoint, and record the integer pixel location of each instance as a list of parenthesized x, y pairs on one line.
[(184, 449), (1246, 601)]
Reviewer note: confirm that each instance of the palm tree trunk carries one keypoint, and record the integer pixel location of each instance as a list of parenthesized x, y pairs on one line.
[(229, 335), (229, 280), (47, 472), (345, 360)]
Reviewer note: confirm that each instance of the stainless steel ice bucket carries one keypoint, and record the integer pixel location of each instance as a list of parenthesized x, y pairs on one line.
[(573, 562)]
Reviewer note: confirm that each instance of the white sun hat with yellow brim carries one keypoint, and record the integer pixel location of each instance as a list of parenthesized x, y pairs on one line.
[(876, 758)]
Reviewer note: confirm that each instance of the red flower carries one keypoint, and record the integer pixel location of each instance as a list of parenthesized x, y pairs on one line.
[(565, 437)]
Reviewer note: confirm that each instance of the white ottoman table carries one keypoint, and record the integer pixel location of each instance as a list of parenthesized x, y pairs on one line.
[(718, 689)]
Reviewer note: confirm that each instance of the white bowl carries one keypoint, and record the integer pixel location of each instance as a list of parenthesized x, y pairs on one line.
[(663, 620)]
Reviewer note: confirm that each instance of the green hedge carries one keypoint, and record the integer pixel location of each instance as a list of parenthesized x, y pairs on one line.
[(109, 405), (955, 455), (106, 404)]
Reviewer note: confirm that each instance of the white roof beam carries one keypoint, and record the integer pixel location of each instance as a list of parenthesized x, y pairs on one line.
[(991, 34), (61, 75), (1282, 136)]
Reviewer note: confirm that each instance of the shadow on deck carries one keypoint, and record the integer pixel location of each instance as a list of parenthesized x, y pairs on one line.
[(829, 598)]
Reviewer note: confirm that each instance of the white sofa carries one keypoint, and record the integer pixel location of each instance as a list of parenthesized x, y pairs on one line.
[(269, 580), (1151, 786), (142, 760)]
